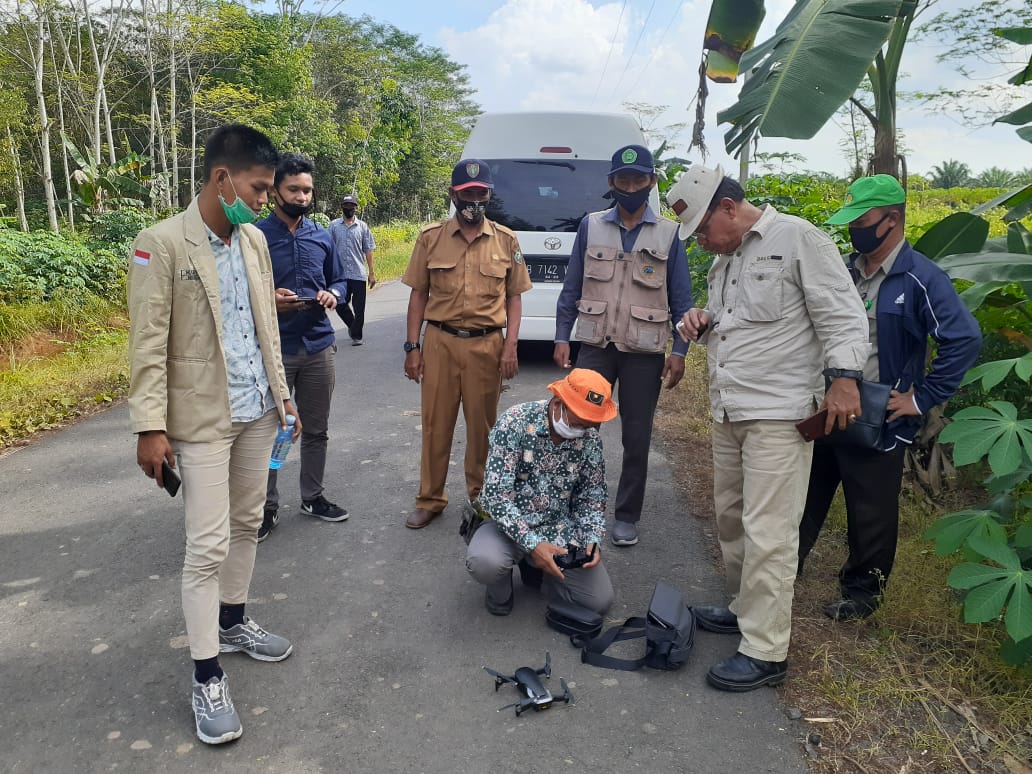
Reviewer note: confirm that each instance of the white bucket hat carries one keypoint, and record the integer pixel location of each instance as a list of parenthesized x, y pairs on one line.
[(691, 194)]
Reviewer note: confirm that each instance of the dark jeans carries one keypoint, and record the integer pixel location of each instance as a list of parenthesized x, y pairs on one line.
[(638, 375), (870, 484), (352, 308), (310, 379)]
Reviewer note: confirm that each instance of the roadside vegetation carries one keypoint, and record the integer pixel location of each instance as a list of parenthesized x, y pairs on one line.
[(64, 322), (923, 685)]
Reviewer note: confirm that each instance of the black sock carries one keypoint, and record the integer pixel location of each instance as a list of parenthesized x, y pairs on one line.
[(230, 615), (207, 668)]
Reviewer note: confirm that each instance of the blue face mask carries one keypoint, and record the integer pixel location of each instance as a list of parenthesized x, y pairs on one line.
[(237, 213)]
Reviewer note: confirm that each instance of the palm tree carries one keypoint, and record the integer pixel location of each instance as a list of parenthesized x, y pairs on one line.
[(950, 174), (995, 177)]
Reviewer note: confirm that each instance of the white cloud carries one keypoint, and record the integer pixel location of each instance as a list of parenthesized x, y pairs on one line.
[(550, 54)]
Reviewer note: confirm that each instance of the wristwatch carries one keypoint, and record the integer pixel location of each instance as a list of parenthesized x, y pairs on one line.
[(336, 293), (842, 373), (411, 345)]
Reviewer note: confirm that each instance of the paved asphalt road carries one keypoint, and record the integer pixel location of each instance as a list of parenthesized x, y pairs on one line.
[(389, 632)]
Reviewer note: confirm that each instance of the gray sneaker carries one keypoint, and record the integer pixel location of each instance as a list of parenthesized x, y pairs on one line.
[(216, 717), (253, 640), (624, 533)]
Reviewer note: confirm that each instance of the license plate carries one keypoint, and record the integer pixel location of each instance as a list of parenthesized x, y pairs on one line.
[(546, 270)]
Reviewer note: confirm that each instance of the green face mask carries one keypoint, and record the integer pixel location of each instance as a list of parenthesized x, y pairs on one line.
[(237, 213)]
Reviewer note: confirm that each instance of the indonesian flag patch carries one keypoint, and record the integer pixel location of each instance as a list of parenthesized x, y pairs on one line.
[(141, 258)]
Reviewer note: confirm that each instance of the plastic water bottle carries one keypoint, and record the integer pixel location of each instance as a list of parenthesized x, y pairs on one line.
[(281, 448)]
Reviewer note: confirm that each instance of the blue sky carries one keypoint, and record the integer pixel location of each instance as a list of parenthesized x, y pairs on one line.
[(581, 55)]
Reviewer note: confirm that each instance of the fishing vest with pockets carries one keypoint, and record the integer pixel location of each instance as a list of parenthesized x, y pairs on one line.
[(624, 296)]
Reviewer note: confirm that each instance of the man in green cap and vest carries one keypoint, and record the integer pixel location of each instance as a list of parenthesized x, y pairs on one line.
[(908, 298)]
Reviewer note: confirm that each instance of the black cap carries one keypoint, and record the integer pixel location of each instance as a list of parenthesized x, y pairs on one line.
[(471, 172), (350, 199)]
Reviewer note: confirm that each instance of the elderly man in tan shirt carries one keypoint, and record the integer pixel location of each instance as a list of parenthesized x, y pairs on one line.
[(780, 309)]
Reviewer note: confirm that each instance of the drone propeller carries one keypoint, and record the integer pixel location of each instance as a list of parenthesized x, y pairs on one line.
[(567, 694), (519, 705), (546, 670), (500, 679)]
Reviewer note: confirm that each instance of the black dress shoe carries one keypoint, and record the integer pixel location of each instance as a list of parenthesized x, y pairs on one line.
[(848, 610), (717, 619), (743, 673)]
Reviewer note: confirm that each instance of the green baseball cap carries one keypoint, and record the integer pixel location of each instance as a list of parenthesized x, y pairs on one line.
[(867, 193)]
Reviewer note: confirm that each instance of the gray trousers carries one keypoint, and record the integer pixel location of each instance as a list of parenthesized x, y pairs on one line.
[(310, 379), (639, 375), (492, 555)]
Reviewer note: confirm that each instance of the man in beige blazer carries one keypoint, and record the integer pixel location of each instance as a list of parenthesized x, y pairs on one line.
[(207, 387)]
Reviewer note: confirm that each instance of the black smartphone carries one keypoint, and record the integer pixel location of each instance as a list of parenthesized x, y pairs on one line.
[(309, 300), (170, 479)]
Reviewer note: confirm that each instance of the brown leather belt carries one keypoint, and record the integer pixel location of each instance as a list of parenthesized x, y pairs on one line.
[(462, 333)]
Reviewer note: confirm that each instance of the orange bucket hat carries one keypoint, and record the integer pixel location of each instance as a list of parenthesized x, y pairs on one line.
[(587, 394)]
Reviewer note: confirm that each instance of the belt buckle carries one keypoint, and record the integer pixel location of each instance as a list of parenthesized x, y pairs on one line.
[(462, 333)]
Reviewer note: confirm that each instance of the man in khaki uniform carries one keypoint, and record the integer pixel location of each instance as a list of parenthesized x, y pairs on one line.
[(466, 275)]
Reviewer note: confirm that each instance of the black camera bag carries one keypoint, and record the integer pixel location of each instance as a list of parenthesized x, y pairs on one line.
[(579, 622), (668, 630)]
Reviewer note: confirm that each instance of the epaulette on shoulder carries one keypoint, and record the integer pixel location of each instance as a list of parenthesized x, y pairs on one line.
[(432, 226), (504, 229)]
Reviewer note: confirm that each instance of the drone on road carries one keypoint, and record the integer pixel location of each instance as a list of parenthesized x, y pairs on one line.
[(528, 682)]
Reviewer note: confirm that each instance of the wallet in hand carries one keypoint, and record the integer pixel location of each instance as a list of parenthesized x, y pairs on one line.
[(812, 428)]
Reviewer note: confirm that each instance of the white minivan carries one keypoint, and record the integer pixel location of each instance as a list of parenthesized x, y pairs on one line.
[(549, 171)]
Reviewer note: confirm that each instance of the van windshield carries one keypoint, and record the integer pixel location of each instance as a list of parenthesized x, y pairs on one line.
[(546, 195)]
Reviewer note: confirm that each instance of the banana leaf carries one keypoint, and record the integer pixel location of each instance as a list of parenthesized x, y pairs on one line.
[(988, 267), (730, 32), (960, 232), (813, 63)]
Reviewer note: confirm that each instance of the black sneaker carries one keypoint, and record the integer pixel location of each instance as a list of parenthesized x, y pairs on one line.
[(324, 509), (269, 522), (356, 342)]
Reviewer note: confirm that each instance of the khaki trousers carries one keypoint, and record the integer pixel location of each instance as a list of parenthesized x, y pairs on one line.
[(760, 473), (457, 370), (223, 492)]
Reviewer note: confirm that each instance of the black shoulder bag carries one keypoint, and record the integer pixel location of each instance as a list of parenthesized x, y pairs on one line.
[(668, 630)]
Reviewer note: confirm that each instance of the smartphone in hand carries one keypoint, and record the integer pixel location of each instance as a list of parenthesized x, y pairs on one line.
[(170, 479)]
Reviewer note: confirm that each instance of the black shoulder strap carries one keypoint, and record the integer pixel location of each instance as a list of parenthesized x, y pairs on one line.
[(593, 651)]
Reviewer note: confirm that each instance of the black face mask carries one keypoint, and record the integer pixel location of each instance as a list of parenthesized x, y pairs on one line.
[(865, 238), (349, 213), (292, 210), (631, 202), (472, 212)]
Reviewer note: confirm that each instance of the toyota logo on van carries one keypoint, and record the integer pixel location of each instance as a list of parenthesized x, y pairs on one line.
[(553, 243)]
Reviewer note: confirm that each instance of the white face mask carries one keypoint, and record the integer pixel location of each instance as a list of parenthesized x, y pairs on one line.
[(563, 428)]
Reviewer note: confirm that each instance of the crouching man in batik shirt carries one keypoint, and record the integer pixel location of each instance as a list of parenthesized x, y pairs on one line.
[(545, 488)]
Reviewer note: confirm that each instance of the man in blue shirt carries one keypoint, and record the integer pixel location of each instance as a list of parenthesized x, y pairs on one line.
[(355, 244), (628, 272), (309, 280)]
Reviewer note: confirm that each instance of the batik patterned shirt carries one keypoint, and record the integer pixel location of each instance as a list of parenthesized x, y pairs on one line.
[(537, 490), (249, 393)]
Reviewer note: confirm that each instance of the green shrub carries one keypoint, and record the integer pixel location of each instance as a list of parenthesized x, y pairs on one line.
[(117, 229), (391, 235), (40, 266)]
